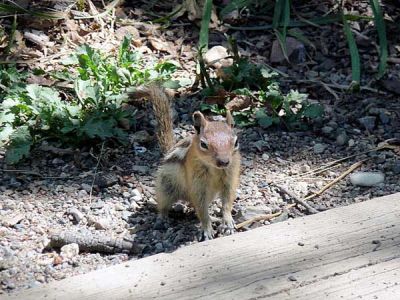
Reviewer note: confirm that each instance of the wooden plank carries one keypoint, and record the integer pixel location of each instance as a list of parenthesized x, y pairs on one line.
[(339, 258)]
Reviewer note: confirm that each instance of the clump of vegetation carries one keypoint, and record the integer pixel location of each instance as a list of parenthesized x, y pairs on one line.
[(89, 109), (267, 104)]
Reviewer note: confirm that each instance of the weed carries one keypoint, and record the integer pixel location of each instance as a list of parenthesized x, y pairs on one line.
[(93, 110), (269, 106)]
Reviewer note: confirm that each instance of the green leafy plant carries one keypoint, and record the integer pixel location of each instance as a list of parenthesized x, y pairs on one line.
[(269, 106), (91, 111)]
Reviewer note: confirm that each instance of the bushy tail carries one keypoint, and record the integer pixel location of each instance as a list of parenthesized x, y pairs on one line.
[(163, 113)]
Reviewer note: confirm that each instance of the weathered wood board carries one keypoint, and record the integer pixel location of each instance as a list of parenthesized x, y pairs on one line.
[(344, 253)]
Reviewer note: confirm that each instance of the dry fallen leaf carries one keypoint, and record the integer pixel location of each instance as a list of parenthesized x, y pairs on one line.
[(158, 44), (238, 103), (71, 25), (40, 80), (121, 32)]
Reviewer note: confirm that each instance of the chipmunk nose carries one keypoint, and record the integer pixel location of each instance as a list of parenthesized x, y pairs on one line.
[(222, 162)]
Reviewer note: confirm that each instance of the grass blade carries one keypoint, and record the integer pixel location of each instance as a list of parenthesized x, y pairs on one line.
[(355, 56), (383, 45), (282, 15), (278, 9), (7, 9), (295, 32), (205, 23), (12, 36)]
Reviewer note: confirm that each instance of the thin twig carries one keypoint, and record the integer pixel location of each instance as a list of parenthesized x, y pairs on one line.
[(296, 199), (330, 184), (258, 218), (332, 163)]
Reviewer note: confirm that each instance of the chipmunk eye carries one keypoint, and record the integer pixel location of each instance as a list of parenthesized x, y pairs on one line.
[(203, 145), (236, 143)]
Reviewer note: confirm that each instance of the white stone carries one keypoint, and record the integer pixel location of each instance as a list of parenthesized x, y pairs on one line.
[(70, 250), (367, 178), (216, 57)]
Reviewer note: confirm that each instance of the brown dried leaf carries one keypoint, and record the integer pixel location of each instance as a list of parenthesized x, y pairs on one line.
[(71, 25), (159, 45), (219, 98), (40, 80), (238, 103), (38, 38), (121, 32), (75, 37)]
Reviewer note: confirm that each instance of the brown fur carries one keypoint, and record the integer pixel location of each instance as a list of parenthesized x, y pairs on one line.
[(163, 114), (200, 174)]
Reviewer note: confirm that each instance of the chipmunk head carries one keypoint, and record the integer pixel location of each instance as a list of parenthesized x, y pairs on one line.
[(216, 141)]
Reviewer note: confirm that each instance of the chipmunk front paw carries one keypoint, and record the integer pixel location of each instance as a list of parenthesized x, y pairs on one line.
[(228, 225), (207, 233)]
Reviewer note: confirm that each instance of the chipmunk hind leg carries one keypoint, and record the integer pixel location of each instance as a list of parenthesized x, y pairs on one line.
[(168, 188)]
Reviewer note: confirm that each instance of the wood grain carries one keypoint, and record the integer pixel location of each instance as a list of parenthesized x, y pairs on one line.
[(343, 253)]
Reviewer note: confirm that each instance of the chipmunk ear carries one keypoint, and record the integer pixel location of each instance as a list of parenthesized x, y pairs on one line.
[(229, 118), (199, 121)]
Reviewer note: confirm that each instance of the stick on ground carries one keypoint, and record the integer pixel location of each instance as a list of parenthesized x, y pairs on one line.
[(99, 242), (297, 200)]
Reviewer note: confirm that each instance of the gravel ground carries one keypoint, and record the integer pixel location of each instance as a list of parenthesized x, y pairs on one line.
[(54, 195)]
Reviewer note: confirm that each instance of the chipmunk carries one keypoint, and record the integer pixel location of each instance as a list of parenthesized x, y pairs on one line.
[(199, 167)]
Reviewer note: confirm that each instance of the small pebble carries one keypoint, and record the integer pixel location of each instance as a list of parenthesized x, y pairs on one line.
[(319, 148), (69, 251)]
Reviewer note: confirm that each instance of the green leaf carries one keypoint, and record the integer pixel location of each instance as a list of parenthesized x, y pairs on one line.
[(383, 44), (5, 134), (214, 108), (263, 119), (20, 145), (172, 84), (242, 91), (70, 60), (234, 5), (100, 128), (185, 81), (9, 103), (6, 117), (205, 23), (268, 74), (124, 48), (313, 111), (355, 56), (85, 90), (41, 93)]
